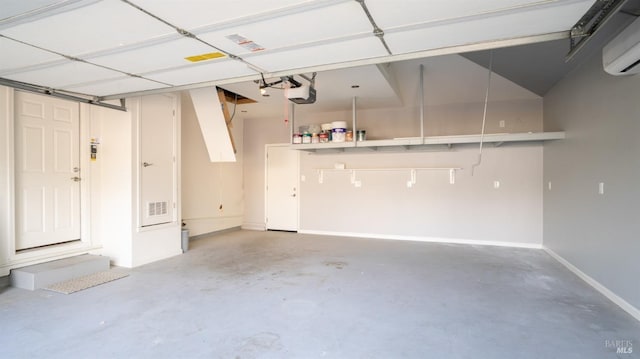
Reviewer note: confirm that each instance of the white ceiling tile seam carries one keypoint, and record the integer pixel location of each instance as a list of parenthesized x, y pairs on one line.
[(291, 10), (308, 44), (62, 62), (133, 46), (483, 15), (45, 11), (190, 35)]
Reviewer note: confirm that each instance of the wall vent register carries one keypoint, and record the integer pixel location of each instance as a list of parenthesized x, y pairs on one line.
[(156, 208)]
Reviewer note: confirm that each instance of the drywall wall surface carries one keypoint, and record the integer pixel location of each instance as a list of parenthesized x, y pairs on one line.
[(115, 159), (258, 133), (471, 209), (212, 193), (6, 177), (597, 233)]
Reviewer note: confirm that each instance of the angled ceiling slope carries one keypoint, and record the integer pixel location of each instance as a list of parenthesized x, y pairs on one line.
[(116, 48)]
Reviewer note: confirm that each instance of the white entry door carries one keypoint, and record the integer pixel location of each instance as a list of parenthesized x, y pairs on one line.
[(157, 159), (47, 170), (282, 188)]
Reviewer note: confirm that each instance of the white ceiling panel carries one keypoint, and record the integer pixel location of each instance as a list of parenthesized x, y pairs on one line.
[(285, 36), (22, 55), (95, 27), (156, 57), (331, 53), (202, 72), (119, 85), (389, 15), (69, 73), (347, 19), (207, 12), (11, 8), (518, 24)]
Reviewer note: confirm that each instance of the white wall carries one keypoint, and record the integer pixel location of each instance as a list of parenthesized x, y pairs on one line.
[(471, 210), (205, 185), (257, 133), (109, 194), (115, 158), (598, 234), (6, 176)]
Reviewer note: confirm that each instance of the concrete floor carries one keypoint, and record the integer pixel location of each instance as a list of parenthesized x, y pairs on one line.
[(282, 295)]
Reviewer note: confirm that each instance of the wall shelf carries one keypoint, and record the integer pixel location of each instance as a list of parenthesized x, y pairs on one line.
[(417, 142)]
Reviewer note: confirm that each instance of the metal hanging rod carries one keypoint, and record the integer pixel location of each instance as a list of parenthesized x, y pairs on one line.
[(63, 95)]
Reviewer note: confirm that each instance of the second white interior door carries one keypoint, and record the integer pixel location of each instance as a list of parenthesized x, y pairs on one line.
[(282, 188), (157, 159)]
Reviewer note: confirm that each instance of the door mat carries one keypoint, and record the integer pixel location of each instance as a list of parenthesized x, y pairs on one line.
[(88, 281)]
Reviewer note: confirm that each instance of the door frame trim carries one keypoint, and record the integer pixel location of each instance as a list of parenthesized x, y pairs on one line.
[(135, 108), (11, 258), (266, 177)]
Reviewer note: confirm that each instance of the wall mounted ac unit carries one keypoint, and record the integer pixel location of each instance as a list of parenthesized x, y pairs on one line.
[(621, 56)]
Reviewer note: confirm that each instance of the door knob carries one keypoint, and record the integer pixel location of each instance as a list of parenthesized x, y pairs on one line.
[(75, 179), (147, 164), (293, 195)]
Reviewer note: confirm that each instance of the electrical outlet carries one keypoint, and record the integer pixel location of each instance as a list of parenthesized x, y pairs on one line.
[(501, 123), (496, 184), (601, 188), (549, 185)]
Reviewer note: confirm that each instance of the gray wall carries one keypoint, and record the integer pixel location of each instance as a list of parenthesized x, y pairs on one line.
[(596, 233)]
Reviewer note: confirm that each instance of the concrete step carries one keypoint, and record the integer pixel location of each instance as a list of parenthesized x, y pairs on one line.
[(44, 274)]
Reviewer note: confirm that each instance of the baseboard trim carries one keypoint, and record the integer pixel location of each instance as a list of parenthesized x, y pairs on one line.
[(424, 239), (626, 306), (254, 226), (209, 234)]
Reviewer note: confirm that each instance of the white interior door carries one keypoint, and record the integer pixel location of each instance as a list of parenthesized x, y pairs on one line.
[(47, 170), (157, 155), (282, 188)]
